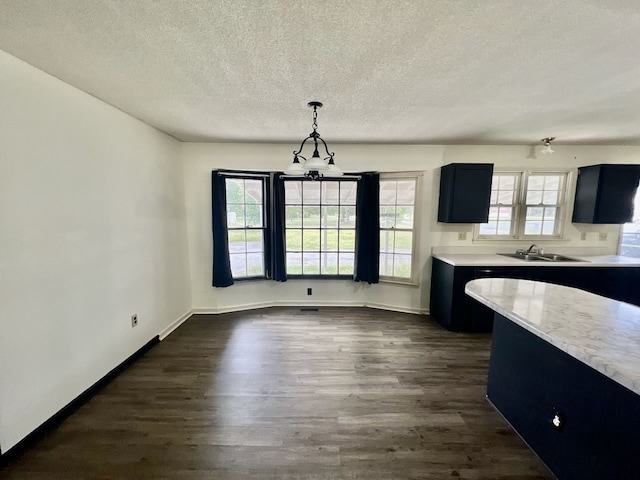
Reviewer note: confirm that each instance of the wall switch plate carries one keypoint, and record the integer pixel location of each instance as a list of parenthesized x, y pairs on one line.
[(134, 320), (583, 236), (309, 290), (603, 236), (462, 235)]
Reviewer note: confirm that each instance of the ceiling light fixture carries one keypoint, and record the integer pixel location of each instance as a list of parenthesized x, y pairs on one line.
[(315, 167), (547, 145)]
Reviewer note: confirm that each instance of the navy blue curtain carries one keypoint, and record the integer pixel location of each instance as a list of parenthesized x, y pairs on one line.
[(367, 261), (221, 264), (279, 262)]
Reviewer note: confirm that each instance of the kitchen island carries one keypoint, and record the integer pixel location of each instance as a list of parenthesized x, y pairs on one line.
[(565, 373)]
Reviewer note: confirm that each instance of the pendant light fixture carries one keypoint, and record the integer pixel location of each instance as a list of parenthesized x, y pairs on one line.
[(547, 145), (315, 167)]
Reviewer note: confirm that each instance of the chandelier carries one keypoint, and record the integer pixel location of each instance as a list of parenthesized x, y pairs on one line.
[(315, 167)]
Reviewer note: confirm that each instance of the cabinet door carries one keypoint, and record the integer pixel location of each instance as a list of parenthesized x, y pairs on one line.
[(604, 194), (465, 193)]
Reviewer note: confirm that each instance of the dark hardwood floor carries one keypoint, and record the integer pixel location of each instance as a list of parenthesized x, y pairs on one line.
[(341, 393)]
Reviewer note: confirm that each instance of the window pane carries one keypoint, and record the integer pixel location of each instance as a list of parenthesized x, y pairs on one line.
[(311, 193), (552, 182), (548, 227), (490, 228), (532, 228), (404, 217), (254, 241), (347, 217), (536, 182), (504, 228), (402, 266), (403, 242), (235, 215), (506, 197), (311, 217), (310, 263), (505, 213), (534, 213), (386, 264), (238, 265), (406, 192), (293, 216), (311, 240), (253, 192), (294, 263), (534, 197), (506, 182), (348, 193), (386, 241), (330, 193), (294, 239), (347, 240), (494, 197), (329, 263), (292, 192), (235, 190), (346, 263), (329, 240), (387, 217), (255, 265), (253, 216), (330, 217), (550, 213), (493, 213), (237, 241), (388, 192), (550, 198)]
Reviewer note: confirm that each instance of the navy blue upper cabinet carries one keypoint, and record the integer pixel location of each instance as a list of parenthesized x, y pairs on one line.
[(604, 193), (465, 193)]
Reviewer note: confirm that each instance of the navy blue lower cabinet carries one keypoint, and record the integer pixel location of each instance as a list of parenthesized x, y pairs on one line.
[(580, 423)]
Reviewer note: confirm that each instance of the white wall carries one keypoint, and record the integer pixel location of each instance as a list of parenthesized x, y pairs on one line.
[(92, 230), (200, 159)]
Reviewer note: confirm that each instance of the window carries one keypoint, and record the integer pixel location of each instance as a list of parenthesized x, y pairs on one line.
[(630, 237), (397, 227), (525, 205), (320, 222), (246, 219)]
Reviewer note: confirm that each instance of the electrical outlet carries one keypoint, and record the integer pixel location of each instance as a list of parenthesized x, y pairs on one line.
[(309, 291), (134, 320), (583, 236), (603, 236), (462, 235)]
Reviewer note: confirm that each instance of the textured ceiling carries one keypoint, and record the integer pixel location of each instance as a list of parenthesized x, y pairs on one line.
[(483, 72)]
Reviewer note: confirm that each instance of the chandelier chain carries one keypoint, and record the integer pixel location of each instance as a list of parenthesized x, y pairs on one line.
[(315, 119)]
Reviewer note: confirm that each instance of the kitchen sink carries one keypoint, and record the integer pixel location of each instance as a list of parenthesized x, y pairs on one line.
[(546, 257)]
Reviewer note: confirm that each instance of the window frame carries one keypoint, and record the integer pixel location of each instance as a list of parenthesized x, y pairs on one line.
[(264, 177), (636, 215), (320, 276), (413, 280), (520, 208)]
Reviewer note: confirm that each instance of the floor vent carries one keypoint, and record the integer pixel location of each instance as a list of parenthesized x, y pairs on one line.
[(310, 309)]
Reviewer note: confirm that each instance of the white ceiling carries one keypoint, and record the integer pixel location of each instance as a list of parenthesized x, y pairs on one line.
[(399, 71)]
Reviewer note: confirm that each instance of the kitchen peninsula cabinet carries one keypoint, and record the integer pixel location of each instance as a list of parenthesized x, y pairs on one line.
[(451, 308)]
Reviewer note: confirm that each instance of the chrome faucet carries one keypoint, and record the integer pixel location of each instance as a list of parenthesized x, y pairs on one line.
[(531, 249)]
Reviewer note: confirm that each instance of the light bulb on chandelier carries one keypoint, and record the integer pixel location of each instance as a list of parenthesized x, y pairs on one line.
[(546, 149)]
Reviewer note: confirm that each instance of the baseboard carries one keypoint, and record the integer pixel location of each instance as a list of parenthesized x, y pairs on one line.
[(167, 331), (27, 442), (253, 306)]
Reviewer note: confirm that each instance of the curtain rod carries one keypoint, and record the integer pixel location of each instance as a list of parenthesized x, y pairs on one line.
[(244, 174), (342, 177)]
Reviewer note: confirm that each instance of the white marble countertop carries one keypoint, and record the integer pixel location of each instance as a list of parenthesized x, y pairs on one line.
[(598, 331), (496, 260)]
